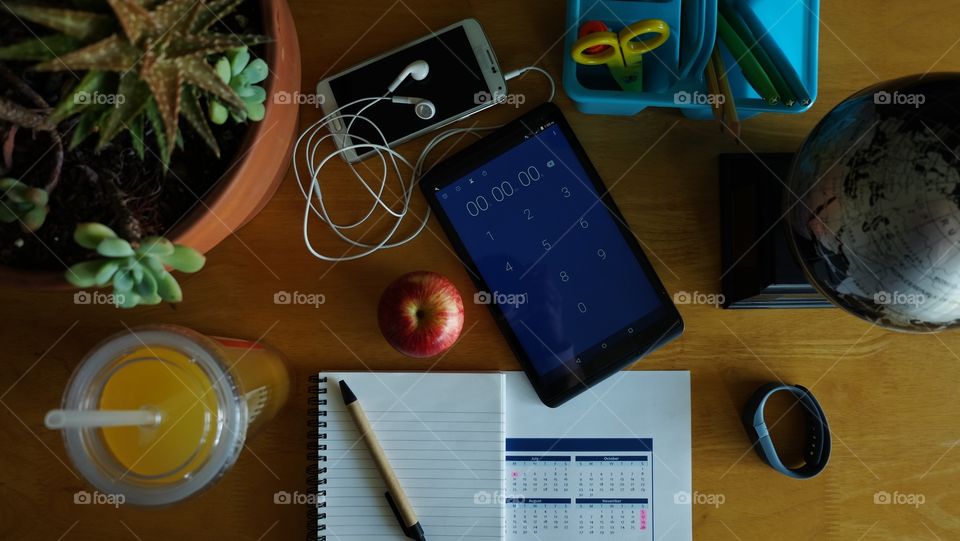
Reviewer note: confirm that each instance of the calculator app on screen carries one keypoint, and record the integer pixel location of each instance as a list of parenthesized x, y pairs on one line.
[(549, 250)]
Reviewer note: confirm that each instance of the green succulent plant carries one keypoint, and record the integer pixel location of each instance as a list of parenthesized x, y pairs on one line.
[(237, 70), (23, 203), (137, 271), (149, 55)]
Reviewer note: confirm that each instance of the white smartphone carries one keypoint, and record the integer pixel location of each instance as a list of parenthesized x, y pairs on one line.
[(463, 78)]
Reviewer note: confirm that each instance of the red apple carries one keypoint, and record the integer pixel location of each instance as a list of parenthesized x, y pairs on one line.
[(421, 314)]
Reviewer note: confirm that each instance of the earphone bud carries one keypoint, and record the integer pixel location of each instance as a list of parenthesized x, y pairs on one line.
[(309, 153), (418, 70), (424, 108)]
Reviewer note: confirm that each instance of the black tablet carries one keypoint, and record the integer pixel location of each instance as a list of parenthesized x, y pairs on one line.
[(551, 254)]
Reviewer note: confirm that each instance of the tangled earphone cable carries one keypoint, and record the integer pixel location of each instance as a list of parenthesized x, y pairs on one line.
[(309, 143)]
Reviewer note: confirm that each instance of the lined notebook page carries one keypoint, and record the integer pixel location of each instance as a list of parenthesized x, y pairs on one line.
[(444, 436)]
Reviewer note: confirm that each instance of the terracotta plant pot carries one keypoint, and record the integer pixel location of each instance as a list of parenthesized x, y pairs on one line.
[(256, 172)]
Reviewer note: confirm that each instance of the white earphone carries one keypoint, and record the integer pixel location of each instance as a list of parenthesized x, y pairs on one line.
[(424, 108), (418, 70), (308, 149)]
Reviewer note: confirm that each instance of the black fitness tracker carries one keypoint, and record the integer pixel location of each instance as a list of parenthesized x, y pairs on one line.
[(817, 449)]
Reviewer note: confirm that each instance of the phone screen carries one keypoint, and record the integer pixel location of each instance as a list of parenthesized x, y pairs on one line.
[(455, 84)]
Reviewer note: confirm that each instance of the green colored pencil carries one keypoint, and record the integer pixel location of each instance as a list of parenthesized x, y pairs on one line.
[(766, 63), (748, 63), (784, 67)]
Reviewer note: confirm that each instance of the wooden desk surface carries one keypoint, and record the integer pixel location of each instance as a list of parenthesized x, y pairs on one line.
[(891, 399)]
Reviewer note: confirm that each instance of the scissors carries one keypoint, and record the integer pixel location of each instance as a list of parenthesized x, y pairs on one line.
[(621, 52)]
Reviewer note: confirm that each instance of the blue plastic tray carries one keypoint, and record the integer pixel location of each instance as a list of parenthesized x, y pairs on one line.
[(674, 72), (693, 40)]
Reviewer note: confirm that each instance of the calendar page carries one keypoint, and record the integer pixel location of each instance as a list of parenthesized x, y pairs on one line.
[(597, 488), (608, 464)]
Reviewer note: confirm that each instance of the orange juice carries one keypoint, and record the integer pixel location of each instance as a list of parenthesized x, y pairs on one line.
[(211, 394), (166, 380)]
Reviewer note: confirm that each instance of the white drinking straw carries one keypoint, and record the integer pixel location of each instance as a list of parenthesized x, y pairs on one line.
[(59, 419)]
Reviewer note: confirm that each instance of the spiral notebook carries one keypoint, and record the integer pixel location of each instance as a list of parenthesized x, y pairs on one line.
[(482, 459)]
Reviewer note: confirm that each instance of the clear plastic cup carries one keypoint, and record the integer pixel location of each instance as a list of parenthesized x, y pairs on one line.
[(212, 394)]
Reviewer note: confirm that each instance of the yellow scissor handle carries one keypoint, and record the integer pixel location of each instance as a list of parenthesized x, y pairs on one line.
[(609, 55), (633, 49)]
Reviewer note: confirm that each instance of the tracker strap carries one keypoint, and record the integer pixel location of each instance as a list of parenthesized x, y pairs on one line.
[(817, 450)]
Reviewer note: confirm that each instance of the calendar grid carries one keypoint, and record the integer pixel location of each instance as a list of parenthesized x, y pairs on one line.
[(579, 487)]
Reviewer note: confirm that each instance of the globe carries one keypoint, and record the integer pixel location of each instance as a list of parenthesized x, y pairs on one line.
[(873, 204)]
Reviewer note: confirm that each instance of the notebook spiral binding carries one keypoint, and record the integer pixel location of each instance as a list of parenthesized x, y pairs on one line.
[(316, 454)]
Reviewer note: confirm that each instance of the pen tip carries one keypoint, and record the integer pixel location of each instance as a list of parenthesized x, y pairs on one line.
[(348, 396)]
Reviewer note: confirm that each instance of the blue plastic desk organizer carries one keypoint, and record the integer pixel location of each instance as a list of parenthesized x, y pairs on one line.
[(673, 73)]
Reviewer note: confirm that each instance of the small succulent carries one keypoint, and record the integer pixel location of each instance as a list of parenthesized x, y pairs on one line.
[(237, 70), (137, 271), (150, 56), (23, 203)]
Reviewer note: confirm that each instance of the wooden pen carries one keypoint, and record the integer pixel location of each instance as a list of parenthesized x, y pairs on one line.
[(397, 499)]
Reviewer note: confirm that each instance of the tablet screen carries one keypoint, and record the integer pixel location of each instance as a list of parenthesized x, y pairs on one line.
[(554, 259)]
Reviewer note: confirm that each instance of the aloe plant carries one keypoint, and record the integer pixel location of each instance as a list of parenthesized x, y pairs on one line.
[(151, 56), (18, 200), (237, 70), (137, 271), (23, 203)]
